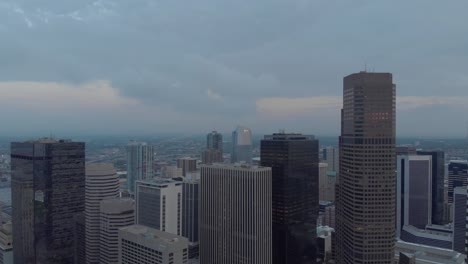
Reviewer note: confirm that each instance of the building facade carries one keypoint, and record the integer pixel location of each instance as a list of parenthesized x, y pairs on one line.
[(102, 183), (241, 145), (367, 181), (214, 140), (457, 176), (294, 159), (332, 158), (48, 190), (6, 243), (210, 156), (141, 244), (460, 220), (140, 158), (114, 214), (235, 214), (190, 214), (187, 165), (159, 205)]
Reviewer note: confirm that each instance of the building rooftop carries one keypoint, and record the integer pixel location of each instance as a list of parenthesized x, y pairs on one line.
[(117, 206), (159, 182), (238, 165), (154, 236), (288, 136)]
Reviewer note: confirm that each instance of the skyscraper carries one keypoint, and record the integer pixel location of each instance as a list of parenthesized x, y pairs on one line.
[(241, 145), (214, 140), (48, 190), (460, 228), (331, 156), (294, 160), (187, 165), (140, 158), (159, 205), (367, 184), (102, 183), (458, 176), (235, 220), (438, 175), (190, 214)]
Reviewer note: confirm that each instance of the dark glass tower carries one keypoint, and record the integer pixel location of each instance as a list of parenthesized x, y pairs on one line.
[(294, 160), (48, 191), (214, 140), (438, 173)]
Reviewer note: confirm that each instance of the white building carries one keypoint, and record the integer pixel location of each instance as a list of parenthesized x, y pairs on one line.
[(102, 183), (140, 158), (235, 214), (141, 244), (114, 214), (159, 205)]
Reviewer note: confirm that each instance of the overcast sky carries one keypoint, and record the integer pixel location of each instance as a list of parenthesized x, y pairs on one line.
[(148, 66)]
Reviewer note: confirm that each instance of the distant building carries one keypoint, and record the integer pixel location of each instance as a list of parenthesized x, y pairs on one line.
[(6, 244), (426, 254), (294, 161), (190, 214), (102, 183), (460, 220), (171, 172), (141, 244), (332, 158), (327, 182), (210, 156), (324, 243), (241, 145), (159, 205), (48, 190), (114, 214), (140, 158), (235, 214), (457, 176), (405, 150), (187, 165), (214, 140)]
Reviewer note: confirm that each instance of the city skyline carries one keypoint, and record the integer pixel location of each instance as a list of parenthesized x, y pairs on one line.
[(285, 71)]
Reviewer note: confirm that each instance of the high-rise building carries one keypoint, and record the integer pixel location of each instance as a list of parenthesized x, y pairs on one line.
[(367, 179), (235, 214), (210, 156), (102, 183), (294, 160), (80, 238), (241, 145), (457, 176), (114, 214), (460, 217), (214, 140), (438, 175), (190, 214), (171, 172), (159, 205), (414, 191), (6, 244), (187, 165), (140, 158), (323, 181), (331, 157), (141, 244), (48, 190)]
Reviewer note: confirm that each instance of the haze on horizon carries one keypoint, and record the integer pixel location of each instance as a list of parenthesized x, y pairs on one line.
[(146, 66)]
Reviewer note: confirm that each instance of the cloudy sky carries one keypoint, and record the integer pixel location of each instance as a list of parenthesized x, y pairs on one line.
[(148, 66)]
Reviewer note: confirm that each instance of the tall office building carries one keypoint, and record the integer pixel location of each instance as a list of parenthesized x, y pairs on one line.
[(187, 165), (241, 145), (79, 233), (141, 244), (102, 183), (294, 160), (235, 214), (331, 157), (114, 214), (140, 158), (414, 191), (367, 180), (48, 190), (214, 140), (457, 176), (190, 214), (460, 220), (210, 156), (438, 175), (159, 205)]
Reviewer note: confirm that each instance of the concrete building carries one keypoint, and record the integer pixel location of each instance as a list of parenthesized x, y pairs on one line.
[(171, 172), (48, 190), (114, 214), (324, 243), (159, 205), (140, 158), (6, 244), (367, 181), (294, 159), (102, 183), (241, 145), (457, 176), (187, 165), (460, 220), (327, 182), (141, 244), (190, 214), (332, 158), (235, 214), (429, 237), (414, 191), (426, 254), (210, 156)]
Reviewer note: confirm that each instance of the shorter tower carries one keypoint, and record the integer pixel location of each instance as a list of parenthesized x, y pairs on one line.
[(235, 220), (141, 244), (114, 214), (140, 158), (187, 165), (241, 145), (159, 205)]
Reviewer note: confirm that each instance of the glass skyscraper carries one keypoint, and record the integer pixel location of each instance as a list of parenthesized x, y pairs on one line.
[(48, 191), (241, 145), (294, 159)]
